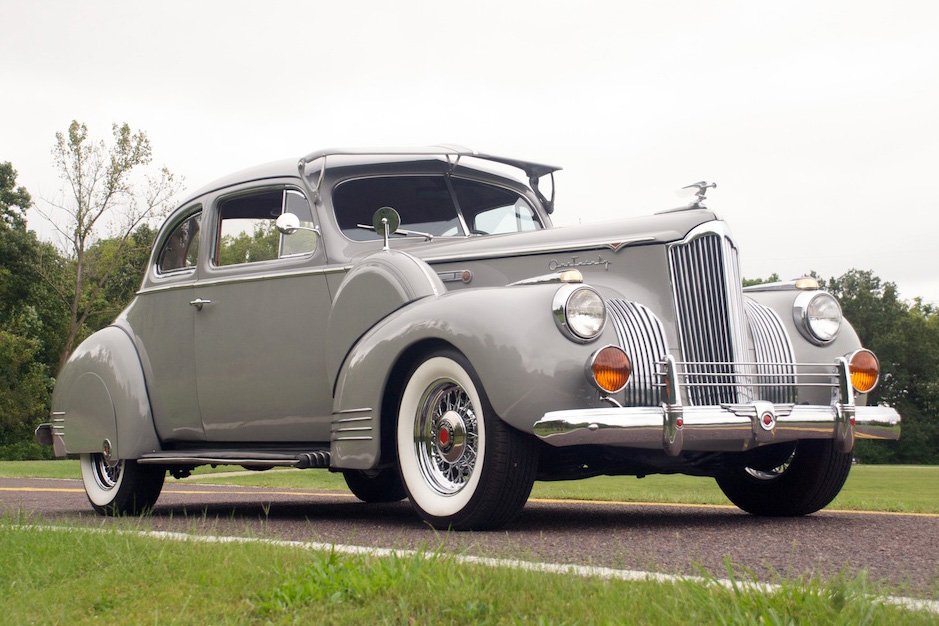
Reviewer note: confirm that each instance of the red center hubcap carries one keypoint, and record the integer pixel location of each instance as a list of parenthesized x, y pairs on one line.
[(444, 436)]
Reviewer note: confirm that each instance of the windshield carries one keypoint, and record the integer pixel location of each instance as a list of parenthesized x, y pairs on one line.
[(434, 205)]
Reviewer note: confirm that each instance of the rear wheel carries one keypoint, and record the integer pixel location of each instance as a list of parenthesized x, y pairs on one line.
[(382, 485), (121, 488), (806, 482), (462, 466)]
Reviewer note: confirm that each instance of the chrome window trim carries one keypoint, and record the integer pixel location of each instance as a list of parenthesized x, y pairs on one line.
[(160, 245), (285, 188), (249, 278)]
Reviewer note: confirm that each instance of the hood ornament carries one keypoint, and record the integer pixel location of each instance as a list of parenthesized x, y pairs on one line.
[(702, 187)]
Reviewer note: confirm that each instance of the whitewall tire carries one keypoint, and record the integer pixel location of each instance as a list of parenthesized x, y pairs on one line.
[(463, 467), (123, 487)]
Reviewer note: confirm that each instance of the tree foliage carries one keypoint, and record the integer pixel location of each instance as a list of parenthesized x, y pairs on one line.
[(905, 337), (103, 196), (28, 326)]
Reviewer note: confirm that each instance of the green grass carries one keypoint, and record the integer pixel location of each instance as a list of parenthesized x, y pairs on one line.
[(898, 488), (82, 577)]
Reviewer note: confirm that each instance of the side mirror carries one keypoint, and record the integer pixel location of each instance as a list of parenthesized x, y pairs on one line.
[(386, 221), (287, 223)]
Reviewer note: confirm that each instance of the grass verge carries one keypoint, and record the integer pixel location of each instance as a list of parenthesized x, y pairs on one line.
[(128, 578)]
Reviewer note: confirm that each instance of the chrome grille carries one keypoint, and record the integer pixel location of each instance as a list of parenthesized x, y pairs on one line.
[(709, 304), (774, 354), (642, 336)]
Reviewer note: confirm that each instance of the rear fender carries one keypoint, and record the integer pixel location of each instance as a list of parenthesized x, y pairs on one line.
[(100, 395)]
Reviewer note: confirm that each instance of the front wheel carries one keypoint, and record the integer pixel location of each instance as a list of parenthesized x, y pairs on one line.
[(807, 482), (121, 488), (463, 467)]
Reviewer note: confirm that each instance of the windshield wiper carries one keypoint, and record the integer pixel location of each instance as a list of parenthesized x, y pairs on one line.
[(401, 231)]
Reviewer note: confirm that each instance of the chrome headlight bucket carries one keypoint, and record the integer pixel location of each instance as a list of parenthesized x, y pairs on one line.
[(818, 317), (579, 312)]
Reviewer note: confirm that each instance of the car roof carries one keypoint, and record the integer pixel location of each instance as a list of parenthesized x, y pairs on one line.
[(363, 156)]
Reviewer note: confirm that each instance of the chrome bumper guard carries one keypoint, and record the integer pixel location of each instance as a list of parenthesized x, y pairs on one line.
[(723, 427)]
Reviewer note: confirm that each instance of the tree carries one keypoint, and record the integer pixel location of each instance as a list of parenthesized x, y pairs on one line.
[(772, 278), (905, 339), (13, 200), (103, 193), (27, 325)]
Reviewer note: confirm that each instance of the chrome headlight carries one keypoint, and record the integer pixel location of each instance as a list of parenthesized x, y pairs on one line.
[(817, 316), (579, 312)]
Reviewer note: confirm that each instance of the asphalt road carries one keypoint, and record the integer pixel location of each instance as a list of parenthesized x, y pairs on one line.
[(901, 550)]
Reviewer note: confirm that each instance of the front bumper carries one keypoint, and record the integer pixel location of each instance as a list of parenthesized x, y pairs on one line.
[(729, 427), (675, 428)]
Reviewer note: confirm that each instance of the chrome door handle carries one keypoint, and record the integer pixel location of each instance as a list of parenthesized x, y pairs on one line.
[(199, 303)]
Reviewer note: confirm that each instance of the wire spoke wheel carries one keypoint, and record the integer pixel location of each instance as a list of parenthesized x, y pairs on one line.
[(447, 444)]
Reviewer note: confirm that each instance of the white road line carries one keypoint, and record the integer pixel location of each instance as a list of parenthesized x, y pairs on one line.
[(584, 571)]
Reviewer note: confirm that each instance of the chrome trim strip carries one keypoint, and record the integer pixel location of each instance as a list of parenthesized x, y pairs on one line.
[(248, 278), (347, 420), (529, 251), (345, 411), (351, 439), (207, 460), (58, 412), (353, 429)]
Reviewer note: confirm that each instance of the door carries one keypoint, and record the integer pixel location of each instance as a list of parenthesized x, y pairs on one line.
[(260, 333)]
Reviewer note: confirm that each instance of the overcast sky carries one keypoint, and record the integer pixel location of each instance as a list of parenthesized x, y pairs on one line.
[(818, 120)]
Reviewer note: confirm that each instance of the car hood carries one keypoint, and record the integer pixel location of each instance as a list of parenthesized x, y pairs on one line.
[(615, 234)]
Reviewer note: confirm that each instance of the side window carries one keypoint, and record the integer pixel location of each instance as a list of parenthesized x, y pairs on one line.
[(491, 210), (246, 232), (302, 241), (181, 249)]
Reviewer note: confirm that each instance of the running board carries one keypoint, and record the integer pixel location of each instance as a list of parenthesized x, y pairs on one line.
[(247, 458)]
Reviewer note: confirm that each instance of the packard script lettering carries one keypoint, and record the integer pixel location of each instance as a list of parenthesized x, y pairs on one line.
[(555, 266)]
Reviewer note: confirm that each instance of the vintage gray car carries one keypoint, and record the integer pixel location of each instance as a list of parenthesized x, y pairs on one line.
[(412, 319)]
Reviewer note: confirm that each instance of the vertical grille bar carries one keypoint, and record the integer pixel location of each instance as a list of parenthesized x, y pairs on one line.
[(774, 354), (642, 336), (709, 303)]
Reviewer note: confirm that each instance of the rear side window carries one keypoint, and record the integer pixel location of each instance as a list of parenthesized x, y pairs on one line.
[(247, 234), (181, 249)]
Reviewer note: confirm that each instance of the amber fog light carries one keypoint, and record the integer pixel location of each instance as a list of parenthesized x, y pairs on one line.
[(608, 369), (865, 370)]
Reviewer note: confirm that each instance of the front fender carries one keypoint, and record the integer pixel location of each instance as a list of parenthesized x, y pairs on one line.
[(526, 366), (845, 343), (101, 395)]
